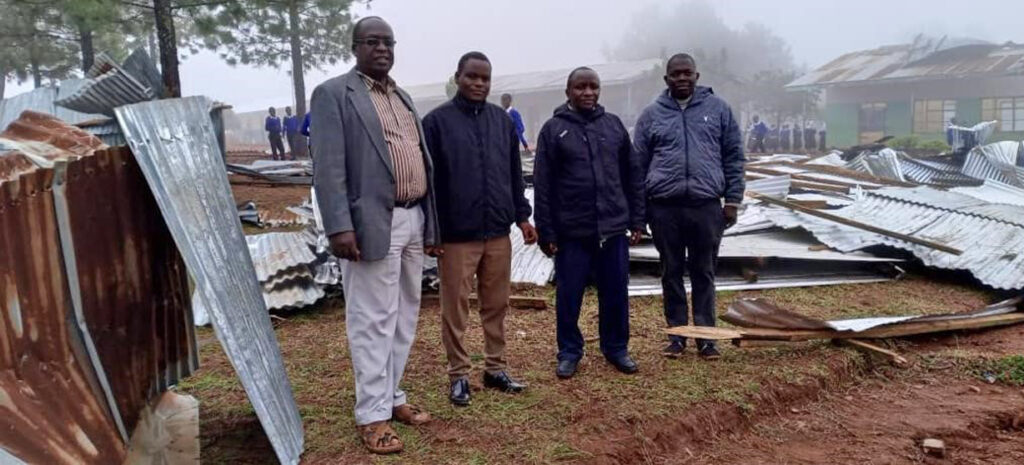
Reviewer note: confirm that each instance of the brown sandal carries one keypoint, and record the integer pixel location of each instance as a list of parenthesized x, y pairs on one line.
[(379, 438), (410, 415)]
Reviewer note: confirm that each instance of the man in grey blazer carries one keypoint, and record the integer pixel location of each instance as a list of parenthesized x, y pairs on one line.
[(373, 179)]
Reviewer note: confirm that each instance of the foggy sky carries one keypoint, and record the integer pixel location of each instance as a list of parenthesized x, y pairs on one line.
[(532, 35)]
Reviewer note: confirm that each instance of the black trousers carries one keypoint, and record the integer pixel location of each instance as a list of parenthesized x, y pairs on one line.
[(276, 146), (575, 261), (758, 145), (687, 236)]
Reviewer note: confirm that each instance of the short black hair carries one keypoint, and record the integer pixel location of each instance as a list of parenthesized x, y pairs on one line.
[(568, 80), (359, 25), (507, 95), (681, 56), (470, 56)]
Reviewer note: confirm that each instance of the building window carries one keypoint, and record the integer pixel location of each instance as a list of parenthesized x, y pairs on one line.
[(933, 115), (1009, 111), (871, 122)]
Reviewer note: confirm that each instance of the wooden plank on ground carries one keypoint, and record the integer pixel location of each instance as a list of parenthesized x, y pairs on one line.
[(705, 332), (895, 358), (909, 328)]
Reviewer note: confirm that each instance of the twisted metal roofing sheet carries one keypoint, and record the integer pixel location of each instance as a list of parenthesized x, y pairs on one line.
[(991, 245), (993, 191), (175, 144)]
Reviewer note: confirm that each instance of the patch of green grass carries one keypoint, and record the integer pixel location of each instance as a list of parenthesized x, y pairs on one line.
[(1009, 369)]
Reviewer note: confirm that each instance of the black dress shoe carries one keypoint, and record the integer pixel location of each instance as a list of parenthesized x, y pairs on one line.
[(709, 352), (459, 393), (503, 382), (625, 364), (566, 368)]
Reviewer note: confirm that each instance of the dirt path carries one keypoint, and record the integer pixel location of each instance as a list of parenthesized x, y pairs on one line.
[(883, 418)]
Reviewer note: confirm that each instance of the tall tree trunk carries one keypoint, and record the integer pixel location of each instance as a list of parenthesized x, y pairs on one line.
[(298, 78), (85, 43), (168, 47), (151, 42), (37, 74)]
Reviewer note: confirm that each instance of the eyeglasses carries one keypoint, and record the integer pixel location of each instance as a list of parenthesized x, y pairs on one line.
[(373, 42)]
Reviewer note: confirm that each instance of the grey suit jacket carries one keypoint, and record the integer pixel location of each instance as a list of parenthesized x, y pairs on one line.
[(352, 168)]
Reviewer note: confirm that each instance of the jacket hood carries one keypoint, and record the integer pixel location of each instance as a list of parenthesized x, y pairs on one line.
[(700, 94), (564, 112)]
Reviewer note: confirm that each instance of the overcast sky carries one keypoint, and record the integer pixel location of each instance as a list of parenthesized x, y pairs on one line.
[(531, 35)]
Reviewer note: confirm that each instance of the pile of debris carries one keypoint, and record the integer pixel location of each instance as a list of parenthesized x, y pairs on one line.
[(272, 172), (284, 267), (759, 322)]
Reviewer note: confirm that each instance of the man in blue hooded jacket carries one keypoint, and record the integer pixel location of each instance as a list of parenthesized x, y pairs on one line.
[(689, 151), (586, 200)]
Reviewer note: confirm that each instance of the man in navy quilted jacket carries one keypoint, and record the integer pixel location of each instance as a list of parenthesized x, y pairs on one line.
[(689, 151)]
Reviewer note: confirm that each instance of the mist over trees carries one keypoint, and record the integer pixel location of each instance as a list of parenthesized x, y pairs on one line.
[(749, 65)]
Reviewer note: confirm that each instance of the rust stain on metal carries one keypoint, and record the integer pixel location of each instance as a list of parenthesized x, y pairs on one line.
[(134, 298), (49, 410)]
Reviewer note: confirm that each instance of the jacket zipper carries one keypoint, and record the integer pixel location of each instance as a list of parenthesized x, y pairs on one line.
[(686, 149)]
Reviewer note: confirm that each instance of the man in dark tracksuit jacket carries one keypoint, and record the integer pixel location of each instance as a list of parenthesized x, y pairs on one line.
[(690, 154), (585, 202), (480, 194)]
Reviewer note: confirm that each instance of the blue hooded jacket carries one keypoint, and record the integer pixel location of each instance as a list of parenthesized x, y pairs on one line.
[(689, 154)]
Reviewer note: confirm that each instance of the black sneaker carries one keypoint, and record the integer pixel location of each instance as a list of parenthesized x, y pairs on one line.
[(709, 352), (674, 349)]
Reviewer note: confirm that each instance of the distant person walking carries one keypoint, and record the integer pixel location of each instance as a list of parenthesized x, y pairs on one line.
[(758, 131), (291, 131), (587, 198), (273, 127), (517, 119), (690, 155)]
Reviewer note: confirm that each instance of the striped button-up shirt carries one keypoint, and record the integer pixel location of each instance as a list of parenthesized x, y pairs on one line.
[(403, 139)]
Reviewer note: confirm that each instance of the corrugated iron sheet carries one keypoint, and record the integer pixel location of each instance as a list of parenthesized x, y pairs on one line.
[(42, 100), (990, 244), (51, 412), (529, 264), (772, 186), (175, 144), (905, 63), (986, 163), (96, 320), (993, 191), (107, 91), (278, 251), (134, 290)]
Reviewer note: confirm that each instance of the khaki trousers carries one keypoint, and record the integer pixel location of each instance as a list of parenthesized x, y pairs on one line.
[(382, 306), (490, 262)]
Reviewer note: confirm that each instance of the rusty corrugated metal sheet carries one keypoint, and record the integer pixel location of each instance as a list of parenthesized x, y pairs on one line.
[(51, 411), (96, 319), (134, 288)]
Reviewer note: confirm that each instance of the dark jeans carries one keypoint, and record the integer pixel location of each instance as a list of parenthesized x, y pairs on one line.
[(276, 146), (575, 261), (687, 237), (758, 145)]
